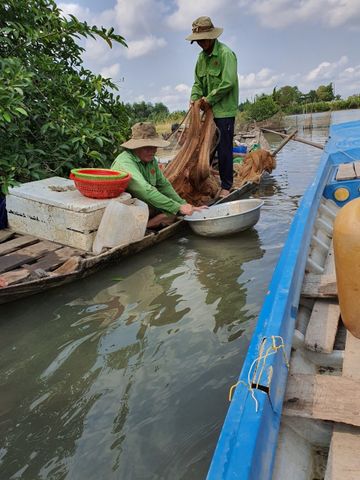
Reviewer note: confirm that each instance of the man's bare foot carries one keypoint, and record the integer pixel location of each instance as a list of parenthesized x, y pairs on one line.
[(161, 220), (224, 193)]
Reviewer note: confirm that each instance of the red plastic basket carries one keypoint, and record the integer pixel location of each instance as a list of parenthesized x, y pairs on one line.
[(101, 188)]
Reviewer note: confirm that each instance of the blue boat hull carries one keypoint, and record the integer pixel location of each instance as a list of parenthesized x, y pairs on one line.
[(247, 444)]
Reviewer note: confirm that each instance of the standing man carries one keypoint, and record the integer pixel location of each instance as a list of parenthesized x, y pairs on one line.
[(216, 84)]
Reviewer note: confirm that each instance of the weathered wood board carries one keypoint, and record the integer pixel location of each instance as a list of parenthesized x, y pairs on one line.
[(319, 286), (345, 172), (323, 397), (322, 327), (16, 243)]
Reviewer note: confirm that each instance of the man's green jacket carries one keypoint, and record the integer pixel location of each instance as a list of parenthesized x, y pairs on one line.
[(148, 182), (216, 79)]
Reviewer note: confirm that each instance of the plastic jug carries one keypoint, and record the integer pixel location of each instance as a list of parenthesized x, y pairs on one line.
[(121, 224), (347, 263)]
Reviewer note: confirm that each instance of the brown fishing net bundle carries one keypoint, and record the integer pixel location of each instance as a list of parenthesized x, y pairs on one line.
[(191, 148), (190, 172), (254, 165)]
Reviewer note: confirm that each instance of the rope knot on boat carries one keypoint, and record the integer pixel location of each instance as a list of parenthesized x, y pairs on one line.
[(258, 365)]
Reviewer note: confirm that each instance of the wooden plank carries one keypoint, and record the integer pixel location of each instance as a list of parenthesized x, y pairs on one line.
[(352, 357), (319, 286), (54, 259), (10, 278), (5, 234), (12, 245), (323, 397), (345, 172), (329, 267), (321, 330), (70, 266), (344, 459), (39, 249), (342, 463), (26, 255), (357, 169), (12, 261)]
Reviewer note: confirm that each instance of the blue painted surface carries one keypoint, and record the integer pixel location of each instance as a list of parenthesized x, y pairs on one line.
[(247, 443)]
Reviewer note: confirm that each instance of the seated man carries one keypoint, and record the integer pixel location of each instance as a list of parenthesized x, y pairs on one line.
[(148, 183)]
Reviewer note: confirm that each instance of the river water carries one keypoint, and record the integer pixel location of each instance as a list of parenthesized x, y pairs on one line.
[(125, 375)]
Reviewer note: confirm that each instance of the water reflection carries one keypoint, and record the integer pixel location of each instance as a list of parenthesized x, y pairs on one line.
[(125, 375)]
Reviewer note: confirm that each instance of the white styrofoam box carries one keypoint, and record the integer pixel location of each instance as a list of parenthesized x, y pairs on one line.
[(54, 210)]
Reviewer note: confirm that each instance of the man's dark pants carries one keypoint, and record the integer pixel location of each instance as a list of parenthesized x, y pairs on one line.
[(225, 150)]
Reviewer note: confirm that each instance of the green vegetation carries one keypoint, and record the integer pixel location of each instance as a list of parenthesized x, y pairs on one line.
[(54, 114), (289, 100), (158, 114)]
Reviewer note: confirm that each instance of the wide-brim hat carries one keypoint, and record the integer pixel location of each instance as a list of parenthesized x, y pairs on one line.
[(143, 134), (203, 29)]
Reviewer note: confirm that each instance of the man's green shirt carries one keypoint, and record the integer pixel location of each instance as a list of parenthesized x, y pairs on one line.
[(216, 79), (148, 183)]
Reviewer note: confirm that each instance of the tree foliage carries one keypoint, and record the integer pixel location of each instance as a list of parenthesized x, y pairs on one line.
[(262, 108), (54, 113), (142, 111)]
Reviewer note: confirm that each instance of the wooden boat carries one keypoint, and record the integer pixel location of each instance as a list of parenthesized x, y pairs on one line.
[(294, 413), (30, 265)]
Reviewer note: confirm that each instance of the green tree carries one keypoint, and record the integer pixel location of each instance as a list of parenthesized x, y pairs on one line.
[(287, 96), (263, 108), (325, 93), (54, 113)]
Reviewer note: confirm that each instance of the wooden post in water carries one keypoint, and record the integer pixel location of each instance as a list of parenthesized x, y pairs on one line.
[(284, 142), (297, 139)]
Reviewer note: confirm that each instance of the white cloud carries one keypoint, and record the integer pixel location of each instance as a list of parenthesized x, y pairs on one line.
[(138, 48), (74, 9), (175, 98), (255, 83), (326, 70), (187, 11), (282, 13), (112, 71), (138, 17)]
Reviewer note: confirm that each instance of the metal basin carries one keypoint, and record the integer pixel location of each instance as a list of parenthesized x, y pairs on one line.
[(226, 218)]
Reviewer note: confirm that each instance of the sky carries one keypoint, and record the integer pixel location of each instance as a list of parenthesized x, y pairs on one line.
[(303, 43)]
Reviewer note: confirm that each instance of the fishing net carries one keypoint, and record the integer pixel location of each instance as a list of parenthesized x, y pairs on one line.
[(190, 172), (187, 160), (252, 168)]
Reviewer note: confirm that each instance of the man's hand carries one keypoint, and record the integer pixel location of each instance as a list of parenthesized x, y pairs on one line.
[(204, 104), (188, 209)]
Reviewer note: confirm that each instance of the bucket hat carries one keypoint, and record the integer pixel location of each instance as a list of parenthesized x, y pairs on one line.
[(203, 29), (143, 134)]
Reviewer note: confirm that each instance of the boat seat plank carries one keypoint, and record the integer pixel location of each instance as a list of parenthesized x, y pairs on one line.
[(319, 286), (16, 243), (357, 169), (342, 462), (323, 397), (344, 459), (321, 330), (352, 357), (346, 171), (5, 234)]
